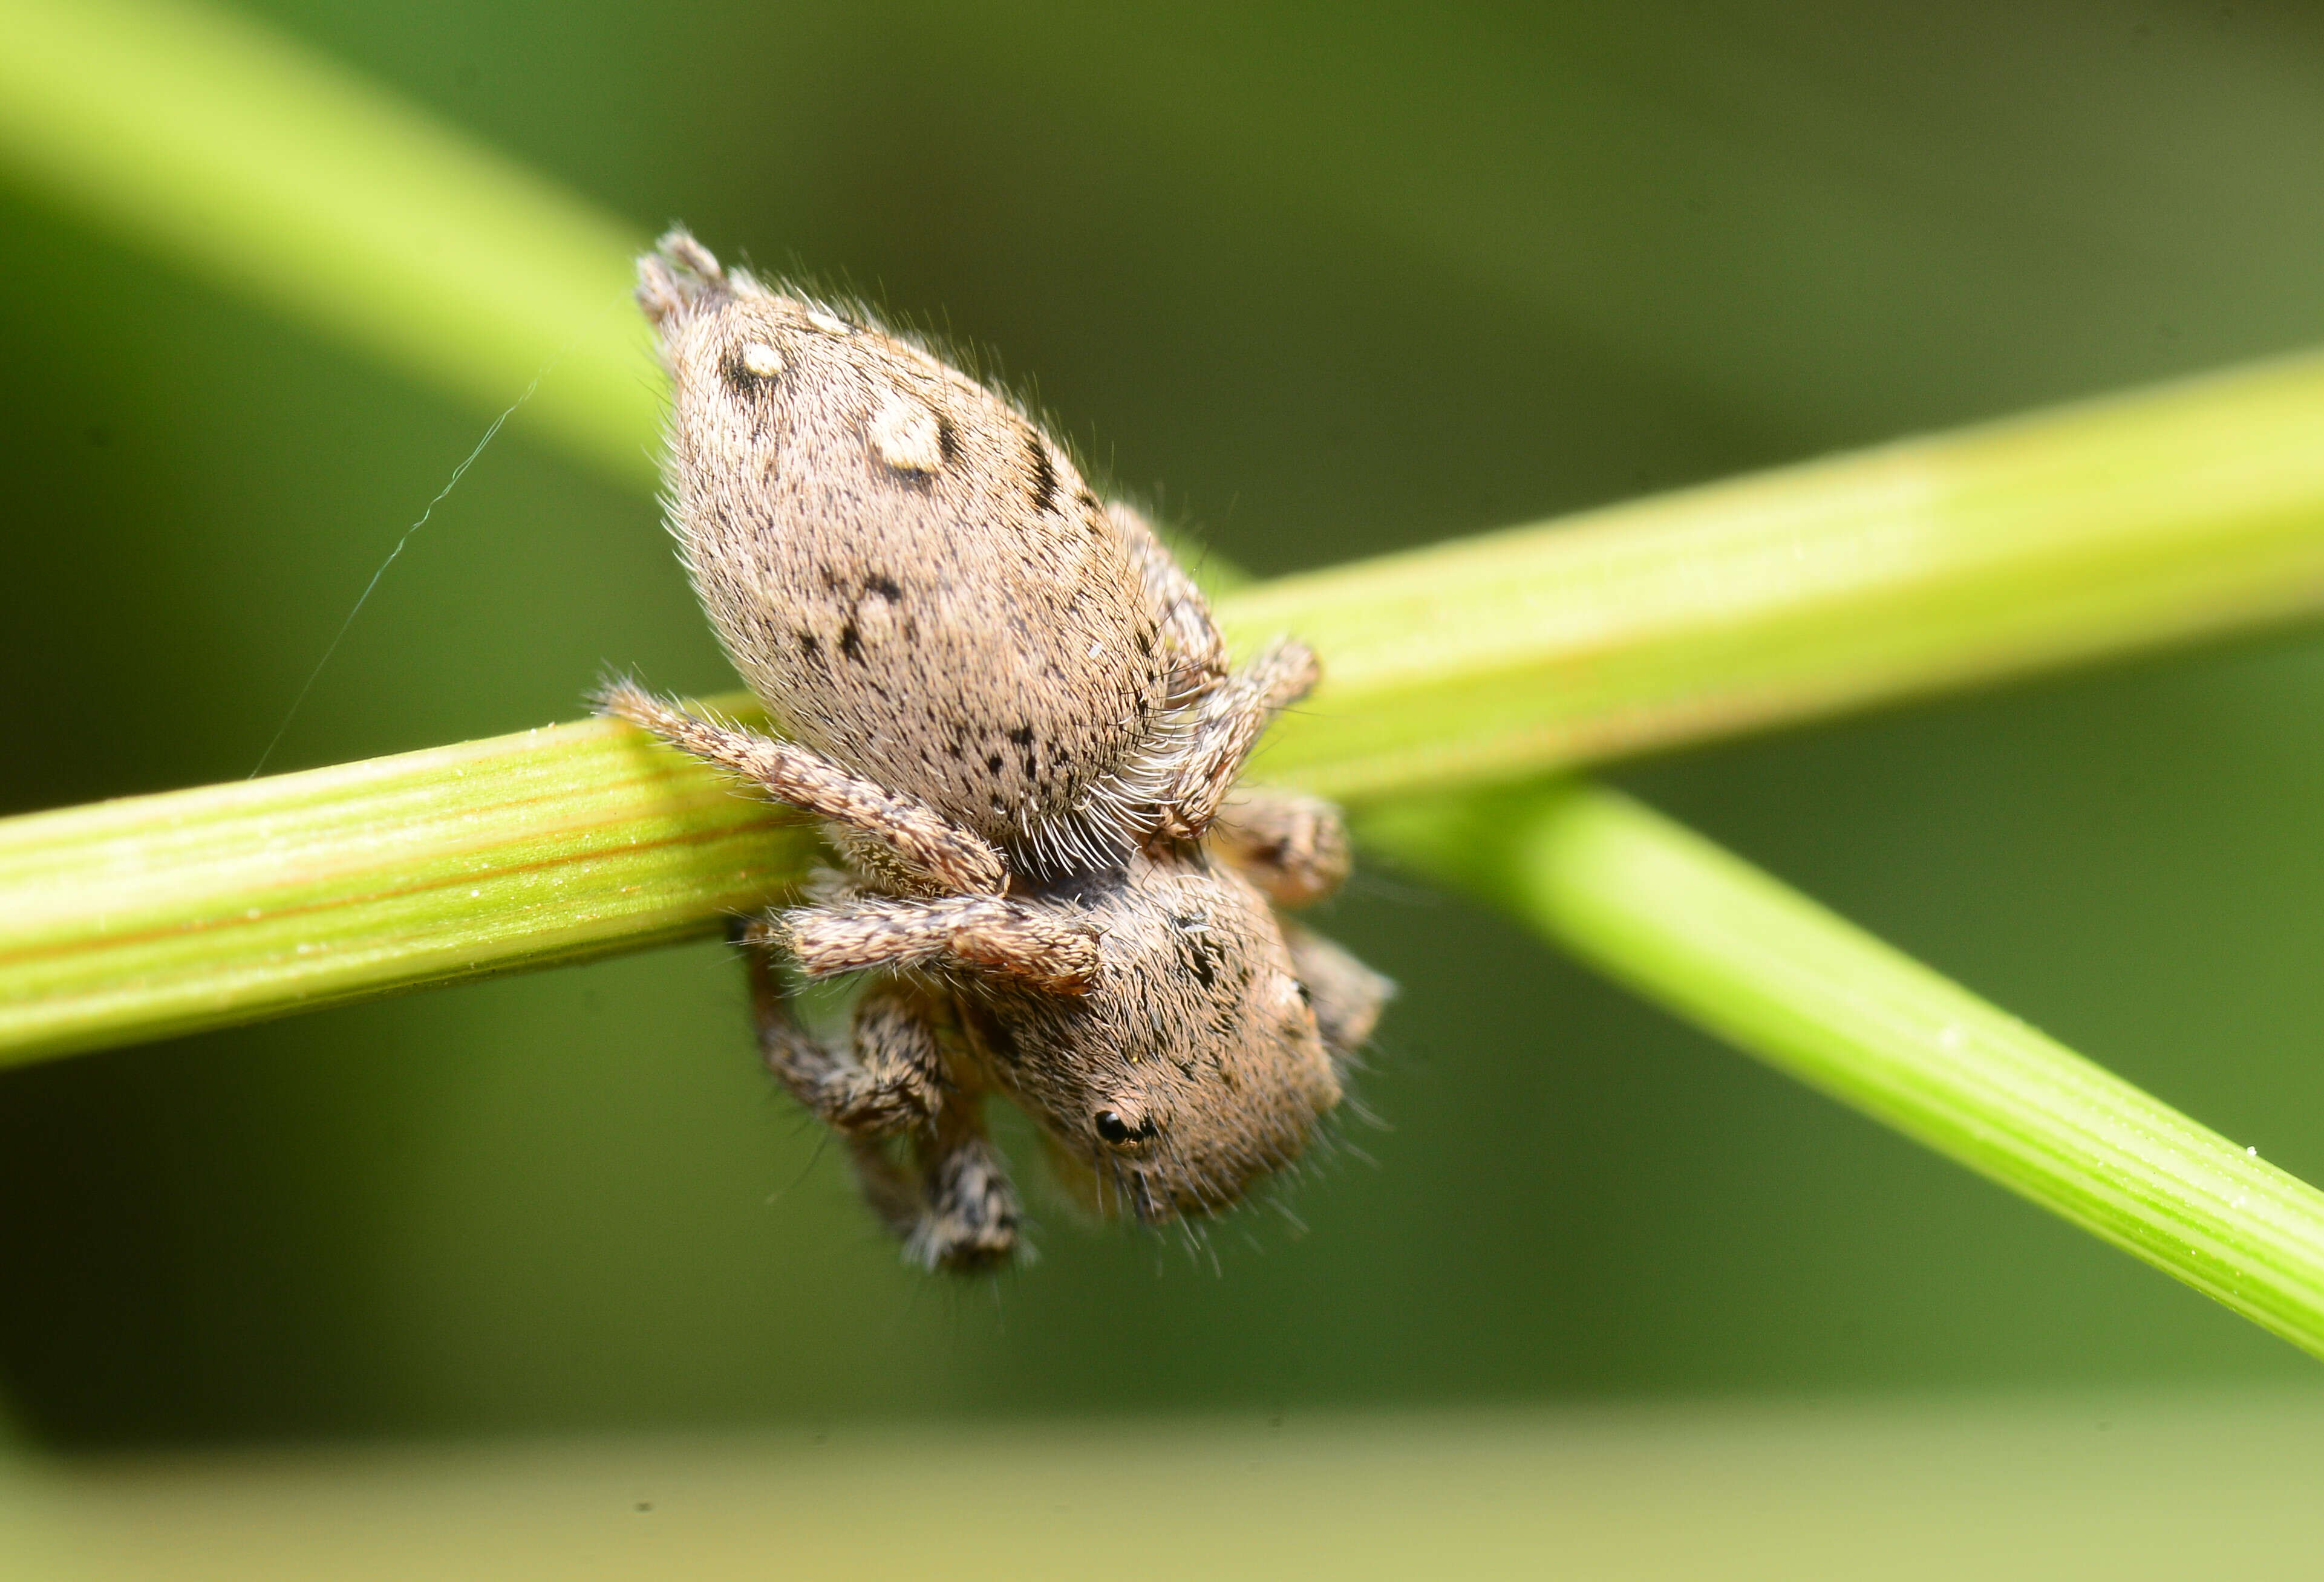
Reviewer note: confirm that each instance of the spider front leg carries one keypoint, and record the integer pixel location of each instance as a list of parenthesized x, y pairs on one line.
[(889, 1081), (1048, 947), (1226, 730), (951, 1204), (931, 852), (969, 1212), (1293, 846), (917, 1140)]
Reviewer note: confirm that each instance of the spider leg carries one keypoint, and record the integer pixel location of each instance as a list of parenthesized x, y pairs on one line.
[(917, 1140), (933, 853), (1228, 727), (1294, 847), (1047, 947)]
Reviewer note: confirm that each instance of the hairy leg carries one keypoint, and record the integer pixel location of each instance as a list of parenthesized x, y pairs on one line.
[(1048, 947), (950, 1202), (889, 1081), (948, 1197), (1293, 846), (1231, 721), (969, 1212), (937, 854), (1346, 994), (917, 1141)]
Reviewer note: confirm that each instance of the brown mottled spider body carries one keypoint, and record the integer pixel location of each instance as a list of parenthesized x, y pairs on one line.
[(1013, 711)]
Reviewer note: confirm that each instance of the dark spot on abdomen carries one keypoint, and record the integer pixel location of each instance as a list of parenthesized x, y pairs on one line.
[(1044, 485)]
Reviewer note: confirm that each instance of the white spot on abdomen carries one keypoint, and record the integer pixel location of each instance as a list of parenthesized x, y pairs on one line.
[(906, 435)]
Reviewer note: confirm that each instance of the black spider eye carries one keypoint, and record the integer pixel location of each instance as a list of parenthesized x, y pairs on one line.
[(1307, 997), (1114, 1129)]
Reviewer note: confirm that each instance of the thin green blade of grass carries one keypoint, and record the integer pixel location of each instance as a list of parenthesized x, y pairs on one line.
[(235, 153), (1739, 952)]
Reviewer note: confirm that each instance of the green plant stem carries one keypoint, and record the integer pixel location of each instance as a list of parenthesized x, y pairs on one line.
[(2018, 546), (1772, 973), (160, 915)]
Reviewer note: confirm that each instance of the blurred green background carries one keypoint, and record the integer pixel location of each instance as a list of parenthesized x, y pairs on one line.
[(1322, 280)]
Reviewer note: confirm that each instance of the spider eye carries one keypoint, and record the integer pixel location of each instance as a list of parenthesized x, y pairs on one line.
[(1306, 995), (1114, 1129)]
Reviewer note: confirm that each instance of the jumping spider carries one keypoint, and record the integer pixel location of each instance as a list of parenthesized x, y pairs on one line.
[(1014, 712)]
